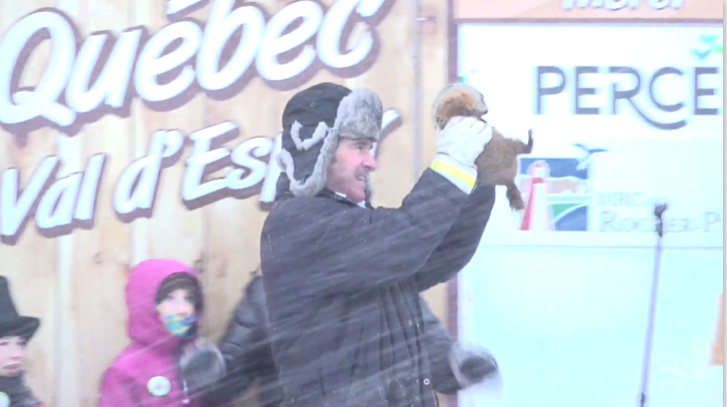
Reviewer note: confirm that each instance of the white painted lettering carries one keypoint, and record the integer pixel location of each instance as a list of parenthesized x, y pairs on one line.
[(193, 187), (329, 36), (26, 105), (57, 205), (247, 155), (137, 185), (14, 210), (222, 23), (88, 194), (112, 84), (164, 77), (152, 63), (274, 43)]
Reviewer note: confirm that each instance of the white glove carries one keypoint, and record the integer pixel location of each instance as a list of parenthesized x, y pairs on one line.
[(463, 139), (458, 146)]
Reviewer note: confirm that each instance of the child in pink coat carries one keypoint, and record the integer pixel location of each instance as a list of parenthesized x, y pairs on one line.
[(163, 365)]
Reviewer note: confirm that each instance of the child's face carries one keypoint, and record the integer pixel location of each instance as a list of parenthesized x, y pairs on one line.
[(176, 310), (12, 353)]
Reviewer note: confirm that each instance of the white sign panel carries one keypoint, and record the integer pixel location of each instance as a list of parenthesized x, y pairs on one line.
[(568, 325), (623, 118)]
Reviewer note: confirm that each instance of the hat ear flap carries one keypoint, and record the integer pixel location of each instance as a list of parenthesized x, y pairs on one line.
[(319, 177)]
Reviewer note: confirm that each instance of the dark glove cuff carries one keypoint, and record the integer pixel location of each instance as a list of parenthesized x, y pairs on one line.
[(471, 367), (475, 368), (202, 366)]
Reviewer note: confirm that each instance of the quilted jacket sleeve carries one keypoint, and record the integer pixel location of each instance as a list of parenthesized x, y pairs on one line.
[(244, 347), (461, 241)]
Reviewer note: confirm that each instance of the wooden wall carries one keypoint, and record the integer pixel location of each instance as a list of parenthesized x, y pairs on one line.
[(74, 280)]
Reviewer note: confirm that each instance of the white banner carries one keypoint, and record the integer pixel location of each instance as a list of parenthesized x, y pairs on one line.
[(623, 117)]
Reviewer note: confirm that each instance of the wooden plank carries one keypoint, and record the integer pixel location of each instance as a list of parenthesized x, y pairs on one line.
[(173, 231), (29, 259), (93, 264)]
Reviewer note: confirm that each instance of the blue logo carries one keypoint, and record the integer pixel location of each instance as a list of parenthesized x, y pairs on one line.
[(707, 45), (558, 192)]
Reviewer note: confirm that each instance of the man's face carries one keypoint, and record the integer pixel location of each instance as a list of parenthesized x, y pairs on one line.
[(12, 353), (350, 168)]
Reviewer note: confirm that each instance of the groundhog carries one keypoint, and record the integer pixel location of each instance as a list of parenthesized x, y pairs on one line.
[(498, 162)]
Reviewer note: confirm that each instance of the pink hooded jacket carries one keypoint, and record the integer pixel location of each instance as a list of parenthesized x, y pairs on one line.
[(149, 365)]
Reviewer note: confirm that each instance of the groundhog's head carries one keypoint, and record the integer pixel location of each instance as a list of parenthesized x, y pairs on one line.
[(458, 99)]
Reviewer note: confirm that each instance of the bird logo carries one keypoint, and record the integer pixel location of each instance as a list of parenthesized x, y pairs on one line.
[(709, 44), (588, 153)]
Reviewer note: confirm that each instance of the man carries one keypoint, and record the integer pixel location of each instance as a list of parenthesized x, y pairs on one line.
[(249, 359), (342, 279)]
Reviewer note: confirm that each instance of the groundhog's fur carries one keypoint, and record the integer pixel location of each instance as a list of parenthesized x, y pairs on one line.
[(498, 162)]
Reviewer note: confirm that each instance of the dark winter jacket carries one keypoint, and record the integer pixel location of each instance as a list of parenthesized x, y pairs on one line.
[(17, 392), (248, 357), (342, 284)]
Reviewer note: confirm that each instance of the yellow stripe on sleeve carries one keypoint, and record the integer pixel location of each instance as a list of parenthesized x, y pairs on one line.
[(453, 170)]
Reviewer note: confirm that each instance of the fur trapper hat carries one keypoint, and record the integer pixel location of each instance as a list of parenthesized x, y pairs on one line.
[(313, 121)]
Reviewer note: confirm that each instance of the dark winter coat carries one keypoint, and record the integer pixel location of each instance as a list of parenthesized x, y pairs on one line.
[(17, 392), (342, 284), (249, 358)]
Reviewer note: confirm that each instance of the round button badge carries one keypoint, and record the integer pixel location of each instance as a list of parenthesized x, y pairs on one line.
[(4, 399), (158, 386)]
